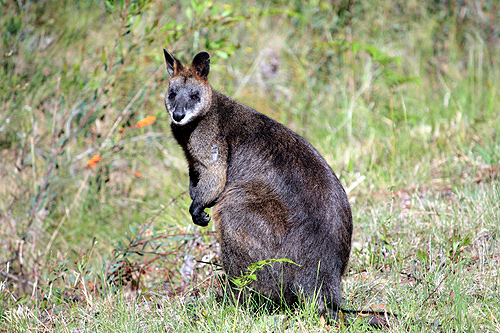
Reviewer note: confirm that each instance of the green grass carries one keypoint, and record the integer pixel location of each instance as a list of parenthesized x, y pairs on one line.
[(399, 97)]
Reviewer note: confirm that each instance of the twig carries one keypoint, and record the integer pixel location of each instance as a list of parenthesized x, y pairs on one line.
[(207, 233), (15, 278), (432, 293), (147, 224)]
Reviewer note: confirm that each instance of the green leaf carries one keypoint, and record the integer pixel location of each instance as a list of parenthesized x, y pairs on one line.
[(422, 255)]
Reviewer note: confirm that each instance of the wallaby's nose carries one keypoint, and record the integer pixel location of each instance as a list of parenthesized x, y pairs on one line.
[(178, 116)]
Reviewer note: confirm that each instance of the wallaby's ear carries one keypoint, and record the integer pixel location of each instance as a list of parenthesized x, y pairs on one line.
[(201, 64), (173, 65)]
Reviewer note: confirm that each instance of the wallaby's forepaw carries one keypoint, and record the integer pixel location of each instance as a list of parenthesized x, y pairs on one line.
[(200, 217)]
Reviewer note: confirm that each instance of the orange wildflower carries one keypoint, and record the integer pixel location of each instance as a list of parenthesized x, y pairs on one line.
[(149, 120), (93, 161), (138, 175)]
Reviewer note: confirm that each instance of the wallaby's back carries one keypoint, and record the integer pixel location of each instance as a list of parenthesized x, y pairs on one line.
[(281, 200)]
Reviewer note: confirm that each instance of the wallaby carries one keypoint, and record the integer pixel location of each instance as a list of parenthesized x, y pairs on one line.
[(273, 195)]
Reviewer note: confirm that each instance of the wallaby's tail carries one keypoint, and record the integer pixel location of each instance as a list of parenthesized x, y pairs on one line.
[(375, 319)]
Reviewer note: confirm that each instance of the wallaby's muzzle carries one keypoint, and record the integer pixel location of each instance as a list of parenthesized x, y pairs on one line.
[(178, 115)]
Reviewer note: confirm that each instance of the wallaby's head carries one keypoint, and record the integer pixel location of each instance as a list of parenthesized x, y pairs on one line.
[(189, 94)]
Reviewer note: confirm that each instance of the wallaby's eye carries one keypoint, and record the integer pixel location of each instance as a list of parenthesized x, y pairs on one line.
[(195, 97), (171, 95)]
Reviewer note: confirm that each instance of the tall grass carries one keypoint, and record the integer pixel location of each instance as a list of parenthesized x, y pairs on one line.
[(399, 97)]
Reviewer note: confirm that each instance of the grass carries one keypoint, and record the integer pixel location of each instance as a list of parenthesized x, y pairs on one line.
[(404, 109)]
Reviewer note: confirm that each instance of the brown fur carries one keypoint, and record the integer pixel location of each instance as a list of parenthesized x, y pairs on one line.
[(272, 193)]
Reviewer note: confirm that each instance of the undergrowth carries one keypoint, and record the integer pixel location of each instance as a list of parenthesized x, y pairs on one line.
[(400, 97)]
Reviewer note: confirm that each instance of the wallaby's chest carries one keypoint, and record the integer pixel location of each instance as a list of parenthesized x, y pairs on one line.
[(203, 143)]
